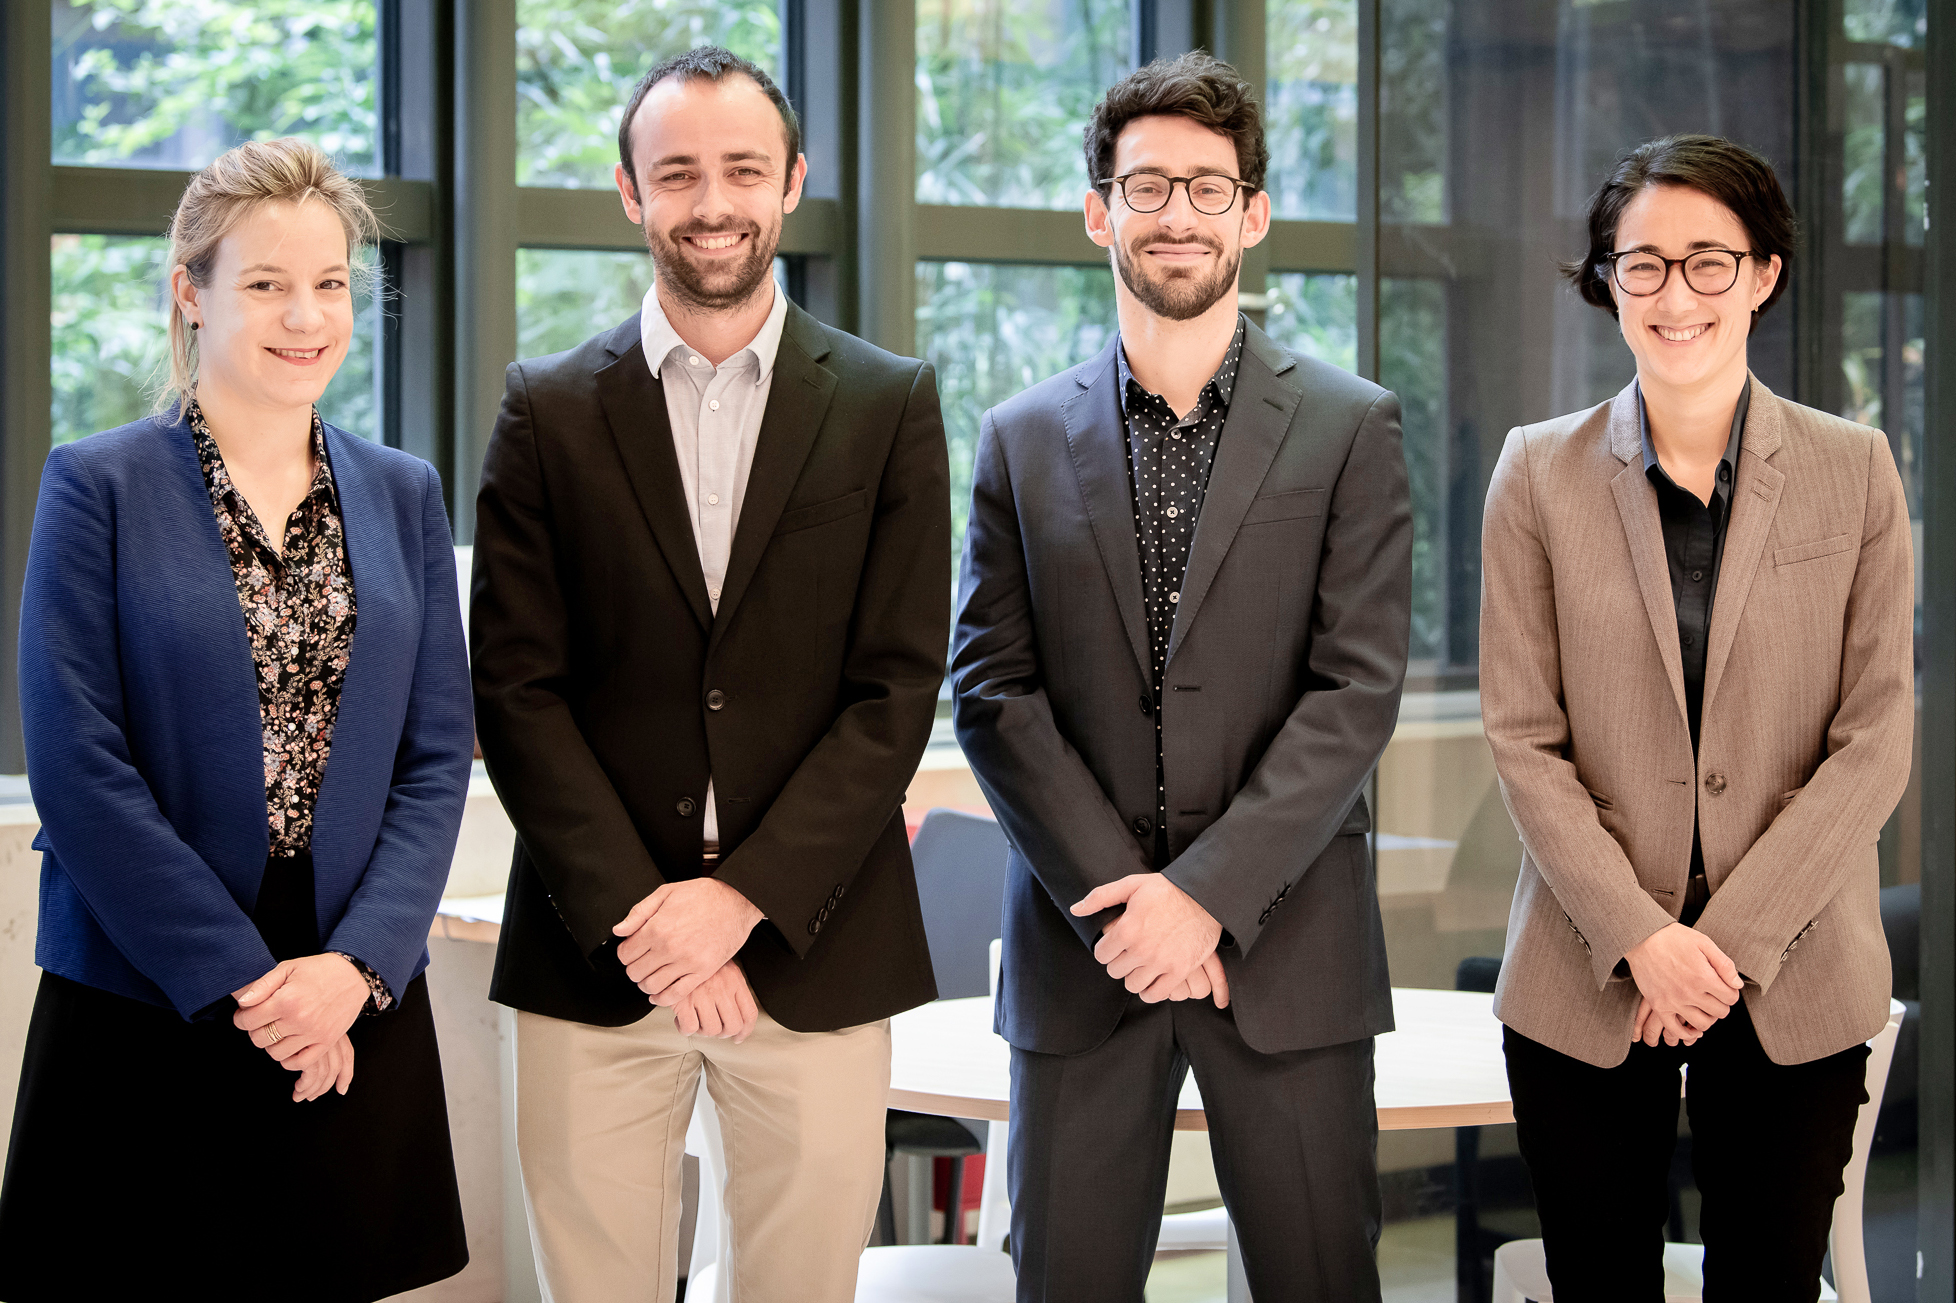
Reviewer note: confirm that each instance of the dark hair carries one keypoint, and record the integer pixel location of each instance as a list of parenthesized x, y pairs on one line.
[(709, 63), (1711, 165), (1196, 86)]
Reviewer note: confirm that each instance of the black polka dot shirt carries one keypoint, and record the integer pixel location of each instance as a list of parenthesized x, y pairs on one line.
[(1168, 463)]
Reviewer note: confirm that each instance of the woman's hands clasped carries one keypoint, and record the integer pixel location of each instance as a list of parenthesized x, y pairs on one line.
[(299, 1014)]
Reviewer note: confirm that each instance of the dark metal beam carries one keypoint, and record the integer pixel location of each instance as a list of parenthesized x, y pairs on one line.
[(886, 185), (26, 393), (141, 201), (1936, 1146), (1365, 250)]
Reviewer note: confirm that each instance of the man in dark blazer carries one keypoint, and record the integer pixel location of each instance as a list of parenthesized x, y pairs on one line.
[(709, 611), (1182, 636)]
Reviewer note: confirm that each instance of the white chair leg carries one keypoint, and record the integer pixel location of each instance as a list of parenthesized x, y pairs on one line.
[(1850, 1259), (994, 1203)]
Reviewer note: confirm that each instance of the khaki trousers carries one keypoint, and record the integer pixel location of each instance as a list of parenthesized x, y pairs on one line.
[(601, 1119)]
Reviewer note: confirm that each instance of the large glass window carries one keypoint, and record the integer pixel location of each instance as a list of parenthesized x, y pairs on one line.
[(1004, 89), (578, 61), (1316, 315), (565, 296), (1311, 108), (992, 330), (111, 339), (175, 83)]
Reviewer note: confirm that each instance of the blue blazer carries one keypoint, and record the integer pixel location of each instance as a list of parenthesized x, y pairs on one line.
[(144, 744)]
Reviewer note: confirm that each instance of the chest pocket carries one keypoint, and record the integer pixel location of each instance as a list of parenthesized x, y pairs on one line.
[(821, 513), (1296, 504)]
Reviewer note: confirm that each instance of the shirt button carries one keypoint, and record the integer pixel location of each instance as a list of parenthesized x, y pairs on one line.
[(1174, 597), (713, 593), (692, 361), (713, 406), (1687, 640), (712, 499), (1172, 513), (1697, 575)]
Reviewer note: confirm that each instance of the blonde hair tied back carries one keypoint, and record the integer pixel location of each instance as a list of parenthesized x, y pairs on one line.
[(219, 197)]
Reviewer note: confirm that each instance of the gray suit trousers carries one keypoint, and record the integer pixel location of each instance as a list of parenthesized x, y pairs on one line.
[(1295, 1139)]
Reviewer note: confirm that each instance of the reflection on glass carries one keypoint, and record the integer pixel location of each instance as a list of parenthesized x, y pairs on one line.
[(1413, 364), (1311, 107), (578, 61), (1316, 315), (151, 83), (1413, 112), (992, 331), (1883, 384), (1892, 22), (1004, 89), (111, 344), (565, 296), (1864, 172)]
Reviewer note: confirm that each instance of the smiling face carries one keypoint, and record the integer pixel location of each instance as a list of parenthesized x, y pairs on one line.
[(1681, 337), (277, 315), (714, 182), (1176, 262)]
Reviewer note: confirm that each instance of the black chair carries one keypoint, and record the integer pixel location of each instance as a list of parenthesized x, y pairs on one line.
[(960, 861)]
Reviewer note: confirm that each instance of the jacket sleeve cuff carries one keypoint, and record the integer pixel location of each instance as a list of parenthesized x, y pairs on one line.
[(1608, 949)]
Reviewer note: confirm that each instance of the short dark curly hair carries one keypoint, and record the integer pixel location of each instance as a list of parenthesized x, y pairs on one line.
[(1712, 165), (1196, 86), (708, 63)]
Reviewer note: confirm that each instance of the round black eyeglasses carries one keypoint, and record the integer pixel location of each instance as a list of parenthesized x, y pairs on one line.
[(1708, 271), (1149, 192)]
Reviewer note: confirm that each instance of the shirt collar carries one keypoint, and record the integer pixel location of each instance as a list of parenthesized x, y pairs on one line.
[(1724, 484), (1224, 380), (660, 339)]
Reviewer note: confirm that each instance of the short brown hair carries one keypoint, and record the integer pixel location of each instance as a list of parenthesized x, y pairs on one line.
[(1196, 86), (241, 180), (1712, 165), (708, 63)]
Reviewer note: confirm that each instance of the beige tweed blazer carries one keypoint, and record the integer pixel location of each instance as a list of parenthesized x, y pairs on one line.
[(1808, 713)]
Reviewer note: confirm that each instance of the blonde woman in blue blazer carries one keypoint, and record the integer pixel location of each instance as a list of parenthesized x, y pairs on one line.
[(249, 748)]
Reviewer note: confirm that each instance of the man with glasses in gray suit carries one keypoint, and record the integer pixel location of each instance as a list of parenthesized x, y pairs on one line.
[(1182, 634)]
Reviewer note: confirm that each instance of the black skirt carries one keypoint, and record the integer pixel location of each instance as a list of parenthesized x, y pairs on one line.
[(151, 1155)]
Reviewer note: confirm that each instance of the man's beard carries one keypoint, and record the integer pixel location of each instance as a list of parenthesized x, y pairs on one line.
[(1176, 294), (723, 287)]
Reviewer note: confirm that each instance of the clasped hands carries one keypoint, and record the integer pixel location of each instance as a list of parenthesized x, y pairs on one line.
[(1687, 984), (299, 1014), (1163, 946), (679, 946)]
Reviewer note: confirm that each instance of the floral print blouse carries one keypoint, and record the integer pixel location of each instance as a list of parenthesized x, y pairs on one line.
[(299, 617)]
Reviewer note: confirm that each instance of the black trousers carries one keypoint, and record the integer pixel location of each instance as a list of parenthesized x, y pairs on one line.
[(1295, 1139), (1768, 1142)]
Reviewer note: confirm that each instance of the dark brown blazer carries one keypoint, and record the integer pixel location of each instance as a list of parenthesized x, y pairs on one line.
[(607, 689), (1804, 748)]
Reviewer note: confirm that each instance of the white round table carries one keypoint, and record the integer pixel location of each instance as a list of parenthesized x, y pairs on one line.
[(1442, 1068)]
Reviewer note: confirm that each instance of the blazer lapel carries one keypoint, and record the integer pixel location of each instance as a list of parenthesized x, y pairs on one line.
[(1636, 502), (1096, 442), (1260, 410), (797, 401), (374, 561), (1755, 501), (635, 408)]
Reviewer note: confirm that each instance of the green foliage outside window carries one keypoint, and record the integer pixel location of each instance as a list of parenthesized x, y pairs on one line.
[(578, 61), (1413, 364), (992, 331), (175, 83), (1004, 90), (565, 296), (1316, 315), (1311, 108)]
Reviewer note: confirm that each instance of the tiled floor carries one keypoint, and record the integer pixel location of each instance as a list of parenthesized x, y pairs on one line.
[(1415, 1266)]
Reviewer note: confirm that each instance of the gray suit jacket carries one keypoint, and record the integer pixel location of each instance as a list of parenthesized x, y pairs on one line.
[(1804, 740), (1281, 687)]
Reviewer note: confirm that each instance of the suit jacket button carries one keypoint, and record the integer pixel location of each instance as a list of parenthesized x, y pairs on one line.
[(715, 699), (1714, 783), (814, 926), (685, 807), (1147, 706), (1143, 825)]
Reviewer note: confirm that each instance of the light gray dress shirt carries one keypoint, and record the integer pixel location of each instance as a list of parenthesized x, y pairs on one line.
[(715, 414)]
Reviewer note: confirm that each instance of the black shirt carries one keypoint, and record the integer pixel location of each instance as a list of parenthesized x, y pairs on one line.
[(1694, 547), (1169, 458)]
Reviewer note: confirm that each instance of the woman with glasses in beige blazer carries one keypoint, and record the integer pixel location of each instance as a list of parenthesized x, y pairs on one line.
[(1697, 680)]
